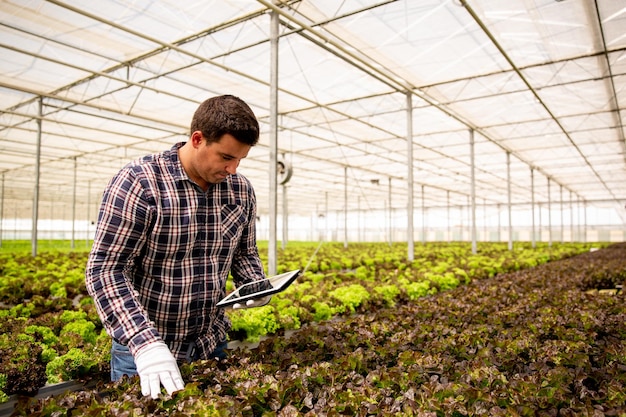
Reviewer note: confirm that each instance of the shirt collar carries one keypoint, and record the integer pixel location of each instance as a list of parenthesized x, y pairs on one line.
[(175, 166)]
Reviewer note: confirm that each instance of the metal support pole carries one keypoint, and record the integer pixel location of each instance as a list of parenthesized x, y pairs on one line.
[(532, 207), (469, 217), (51, 235), (571, 217), (410, 208), (585, 221), (562, 214), (73, 243), (473, 192), (508, 183), (273, 171), (1, 209), (448, 221), (37, 176), (88, 214), (345, 207), (549, 215), (539, 218), (285, 216), (578, 221), (423, 215), (389, 212)]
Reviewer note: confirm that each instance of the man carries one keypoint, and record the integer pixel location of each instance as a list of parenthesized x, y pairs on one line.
[(170, 229)]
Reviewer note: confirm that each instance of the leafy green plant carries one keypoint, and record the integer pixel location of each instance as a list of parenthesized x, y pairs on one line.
[(416, 290), (322, 311), (73, 364), (447, 281), (389, 293), (255, 322), (350, 297), (3, 386)]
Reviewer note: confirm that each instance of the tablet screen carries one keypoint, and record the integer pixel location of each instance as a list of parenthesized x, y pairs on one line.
[(257, 289)]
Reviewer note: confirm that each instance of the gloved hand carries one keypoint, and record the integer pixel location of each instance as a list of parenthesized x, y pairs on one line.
[(257, 302), (156, 366)]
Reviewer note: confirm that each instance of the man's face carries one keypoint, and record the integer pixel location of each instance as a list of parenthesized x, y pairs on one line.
[(215, 161)]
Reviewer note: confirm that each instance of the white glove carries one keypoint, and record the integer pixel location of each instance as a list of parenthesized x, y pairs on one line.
[(156, 366), (257, 302)]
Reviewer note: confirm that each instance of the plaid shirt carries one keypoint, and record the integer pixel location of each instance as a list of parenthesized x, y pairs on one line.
[(162, 253)]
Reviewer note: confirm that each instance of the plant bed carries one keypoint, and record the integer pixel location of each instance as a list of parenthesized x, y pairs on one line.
[(53, 333), (535, 342)]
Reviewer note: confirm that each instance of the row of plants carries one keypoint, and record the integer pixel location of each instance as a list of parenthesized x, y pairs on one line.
[(339, 280), (542, 341), (50, 331)]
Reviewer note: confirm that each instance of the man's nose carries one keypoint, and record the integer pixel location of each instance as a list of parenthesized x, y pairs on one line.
[(231, 167)]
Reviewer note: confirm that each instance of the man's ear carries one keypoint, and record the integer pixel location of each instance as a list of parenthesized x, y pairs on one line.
[(196, 138)]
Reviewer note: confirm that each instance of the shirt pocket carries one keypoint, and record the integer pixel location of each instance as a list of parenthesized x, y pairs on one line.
[(233, 221)]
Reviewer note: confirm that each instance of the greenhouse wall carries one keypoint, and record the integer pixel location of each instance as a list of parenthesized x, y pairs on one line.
[(84, 231), (596, 224)]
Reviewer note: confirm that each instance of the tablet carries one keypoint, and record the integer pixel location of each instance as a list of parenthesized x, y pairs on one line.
[(257, 289)]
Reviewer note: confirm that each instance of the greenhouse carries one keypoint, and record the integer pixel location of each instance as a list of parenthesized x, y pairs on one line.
[(449, 175)]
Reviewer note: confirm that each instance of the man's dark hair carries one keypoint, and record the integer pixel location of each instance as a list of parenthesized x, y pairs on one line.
[(220, 115)]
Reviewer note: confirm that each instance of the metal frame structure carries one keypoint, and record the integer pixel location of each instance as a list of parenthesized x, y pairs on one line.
[(459, 99)]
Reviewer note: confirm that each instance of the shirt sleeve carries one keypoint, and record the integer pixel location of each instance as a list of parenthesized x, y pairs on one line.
[(123, 222)]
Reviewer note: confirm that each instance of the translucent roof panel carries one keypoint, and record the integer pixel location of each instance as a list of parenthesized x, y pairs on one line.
[(538, 86)]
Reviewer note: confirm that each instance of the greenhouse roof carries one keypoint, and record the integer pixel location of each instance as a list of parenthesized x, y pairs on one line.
[(537, 85)]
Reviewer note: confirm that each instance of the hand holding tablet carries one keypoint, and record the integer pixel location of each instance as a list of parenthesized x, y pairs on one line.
[(255, 291), (257, 302)]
